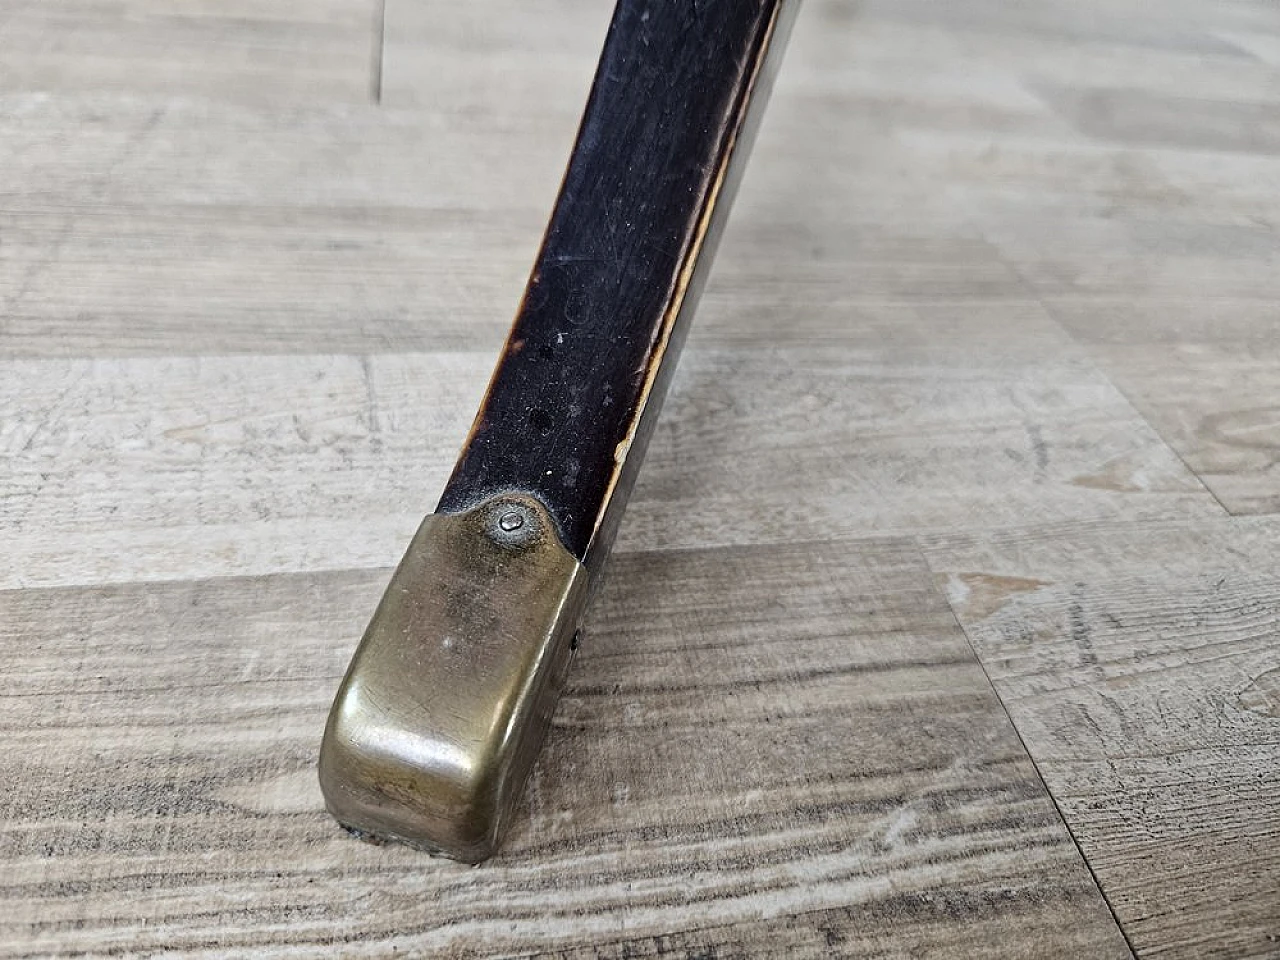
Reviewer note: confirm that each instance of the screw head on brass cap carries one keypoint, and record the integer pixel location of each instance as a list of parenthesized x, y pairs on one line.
[(450, 692)]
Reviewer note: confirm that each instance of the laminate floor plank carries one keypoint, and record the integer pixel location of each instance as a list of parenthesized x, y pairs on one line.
[(992, 324), (538, 58), (1140, 666), (1211, 397), (274, 52), (742, 762), (156, 468), (1149, 230), (194, 228)]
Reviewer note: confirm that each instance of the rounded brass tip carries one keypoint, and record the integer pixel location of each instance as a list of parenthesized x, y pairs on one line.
[(445, 704)]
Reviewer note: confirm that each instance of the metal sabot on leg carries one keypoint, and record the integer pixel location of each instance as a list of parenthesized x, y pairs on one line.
[(438, 721), (451, 691)]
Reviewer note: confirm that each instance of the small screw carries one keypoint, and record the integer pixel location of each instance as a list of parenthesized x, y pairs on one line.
[(512, 524)]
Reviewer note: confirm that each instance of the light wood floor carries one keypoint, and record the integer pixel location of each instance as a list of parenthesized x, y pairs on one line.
[(946, 618)]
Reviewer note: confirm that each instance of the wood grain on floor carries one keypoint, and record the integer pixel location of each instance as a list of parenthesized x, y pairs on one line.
[(153, 468), (990, 339), (1140, 665), (264, 51), (741, 759), (443, 56), (1216, 401), (194, 228)]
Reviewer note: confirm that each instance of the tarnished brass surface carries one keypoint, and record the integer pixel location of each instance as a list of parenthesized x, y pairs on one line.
[(448, 697)]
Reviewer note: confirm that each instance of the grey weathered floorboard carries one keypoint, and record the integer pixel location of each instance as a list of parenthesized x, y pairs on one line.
[(158, 468), (1204, 375), (741, 755), (1140, 665), (1000, 282), (261, 51)]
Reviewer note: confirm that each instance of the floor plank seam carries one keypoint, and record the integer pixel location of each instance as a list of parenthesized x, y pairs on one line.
[(1034, 765), (1101, 371), (853, 539), (378, 50), (97, 187), (1226, 511)]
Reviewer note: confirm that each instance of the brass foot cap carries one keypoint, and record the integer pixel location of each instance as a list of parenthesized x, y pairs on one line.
[(445, 704)]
